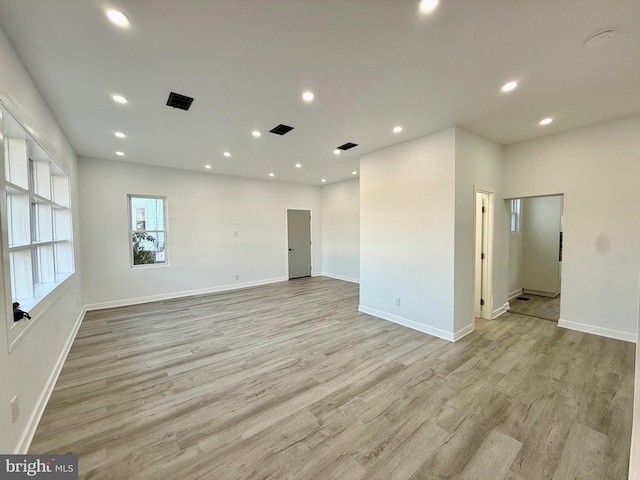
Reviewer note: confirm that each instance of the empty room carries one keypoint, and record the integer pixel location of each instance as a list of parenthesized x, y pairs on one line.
[(298, 239)]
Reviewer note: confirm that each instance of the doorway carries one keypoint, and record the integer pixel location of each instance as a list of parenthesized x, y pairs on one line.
[(299, 243), (483, 246), (535, 256)]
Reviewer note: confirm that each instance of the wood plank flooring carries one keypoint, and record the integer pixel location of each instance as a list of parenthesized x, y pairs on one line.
[(289, 381), (547, 308)]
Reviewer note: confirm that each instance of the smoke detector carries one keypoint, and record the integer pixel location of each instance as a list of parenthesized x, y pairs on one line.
[(599, 38)]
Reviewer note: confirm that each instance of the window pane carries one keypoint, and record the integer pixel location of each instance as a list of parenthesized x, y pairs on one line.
[(16, 165), (21, 274), (42, 179), (62, 223), (147, 230), (45, 265), (18, 207), (61, 190), (148, 247), (147, 213), (64, 257)]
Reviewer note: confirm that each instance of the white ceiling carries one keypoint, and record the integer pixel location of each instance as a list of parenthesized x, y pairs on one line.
[(372, 64)]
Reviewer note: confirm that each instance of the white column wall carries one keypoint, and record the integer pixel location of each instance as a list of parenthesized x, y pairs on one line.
[(479, 165), (407, 211), (341, 230)]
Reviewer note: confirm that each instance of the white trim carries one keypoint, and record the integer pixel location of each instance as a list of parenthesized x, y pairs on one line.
[(340, 277), (405, 322), (487, 275), (38, 311), (499, 311), (603, 332), (186, 293), (463, 332), (32, 424), (515, 293), (539, 293)]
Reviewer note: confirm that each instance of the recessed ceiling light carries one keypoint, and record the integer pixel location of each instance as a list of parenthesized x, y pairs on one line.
[(256, 133), (227, 154), (509, 86), (308, 96), (397, 129), (323, 180), (208, 167), (354, 173), (120, 154), (272, 174), (120, 135), (428, 6), (337, 151), (546, 121), (298, 165), (117, 17), (120, 99)]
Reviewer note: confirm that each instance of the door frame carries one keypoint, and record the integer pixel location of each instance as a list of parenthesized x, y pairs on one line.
[(487, 274), (286, 240)]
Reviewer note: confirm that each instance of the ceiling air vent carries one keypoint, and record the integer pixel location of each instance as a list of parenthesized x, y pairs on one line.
[(179, 101), (347, 146), (281, 129)]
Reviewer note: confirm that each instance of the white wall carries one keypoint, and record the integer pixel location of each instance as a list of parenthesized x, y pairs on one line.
[(31, 368), (597, 168), (341, 230), (204, 211), (541, 225), (407, 211), (479, 165)]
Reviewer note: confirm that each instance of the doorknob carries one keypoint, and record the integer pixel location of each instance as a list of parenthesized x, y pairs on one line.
[(291, 249)]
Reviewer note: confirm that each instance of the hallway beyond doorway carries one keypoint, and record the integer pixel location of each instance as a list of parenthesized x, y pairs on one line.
[(547, 308)]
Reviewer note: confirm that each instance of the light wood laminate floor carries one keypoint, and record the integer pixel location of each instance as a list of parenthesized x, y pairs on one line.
[(289, 381), (547, 308)]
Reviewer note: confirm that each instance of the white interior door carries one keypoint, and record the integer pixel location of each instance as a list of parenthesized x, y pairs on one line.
[(299, 243), (481, 255)]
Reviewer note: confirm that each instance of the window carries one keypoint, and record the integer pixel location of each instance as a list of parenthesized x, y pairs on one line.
[(515, 215), (147, 230), (38, 218)]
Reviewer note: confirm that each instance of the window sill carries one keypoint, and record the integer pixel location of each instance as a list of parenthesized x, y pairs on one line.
[(37, 307)]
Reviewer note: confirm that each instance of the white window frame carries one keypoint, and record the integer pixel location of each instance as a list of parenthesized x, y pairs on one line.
[(37, 228), (132, 216), (515, 206)]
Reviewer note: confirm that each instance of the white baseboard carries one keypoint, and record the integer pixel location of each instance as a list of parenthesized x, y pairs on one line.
[(515, 293), (540, 293), (500, 310), (603, 332), (463, 332), (340, 277), (405, 322), (186, 293), (32, 424)]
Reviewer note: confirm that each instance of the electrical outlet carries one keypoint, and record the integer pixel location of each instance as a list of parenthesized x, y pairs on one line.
[(237, 276), (397, 301), (15, 409)]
